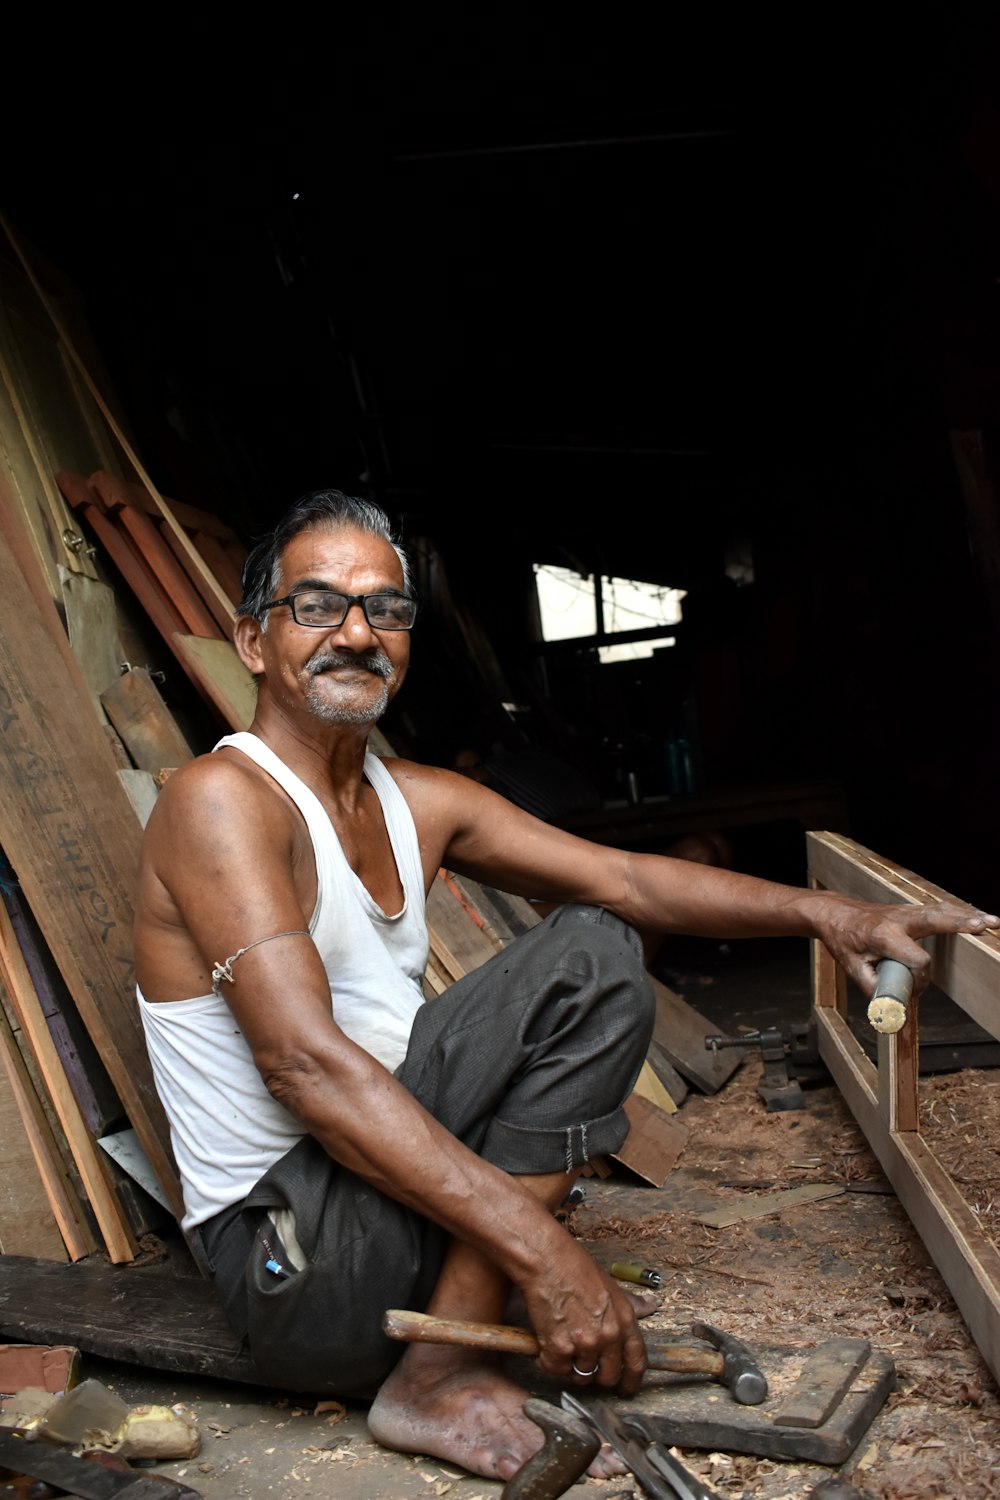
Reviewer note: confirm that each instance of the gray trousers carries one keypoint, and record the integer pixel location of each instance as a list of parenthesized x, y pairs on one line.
[(528, 1061)]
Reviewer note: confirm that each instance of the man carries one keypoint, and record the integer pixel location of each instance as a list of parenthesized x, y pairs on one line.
[(345, 1147)]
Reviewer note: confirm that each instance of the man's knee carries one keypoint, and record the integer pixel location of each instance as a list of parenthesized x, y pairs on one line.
[(610, 937), (608, 954)]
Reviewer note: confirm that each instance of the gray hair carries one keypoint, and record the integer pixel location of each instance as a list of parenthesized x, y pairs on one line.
[(327, 509)]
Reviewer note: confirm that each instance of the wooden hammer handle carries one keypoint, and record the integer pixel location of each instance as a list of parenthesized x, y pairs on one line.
[(504, 1338)]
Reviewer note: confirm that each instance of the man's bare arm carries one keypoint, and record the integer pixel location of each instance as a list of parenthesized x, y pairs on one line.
[(492, 840)]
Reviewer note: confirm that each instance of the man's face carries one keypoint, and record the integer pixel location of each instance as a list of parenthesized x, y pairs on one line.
[(345, 674)]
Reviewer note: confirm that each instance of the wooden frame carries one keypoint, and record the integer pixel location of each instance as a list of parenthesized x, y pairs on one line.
[(883, 1097)]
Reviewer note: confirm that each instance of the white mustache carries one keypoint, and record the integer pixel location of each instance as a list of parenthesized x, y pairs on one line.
[(376, 662)]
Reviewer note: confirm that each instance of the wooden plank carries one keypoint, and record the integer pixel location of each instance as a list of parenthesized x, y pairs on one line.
[(51, 1156), (28, 1221), (829, 982), (141, 790), (826, 1377), (118, 1238), (765, 1204), (648, 1086), (459, 944), (436, 978), (190, 517), (680, 1031), (161, 560), (141, 1315), (23, 481), (92, 626), (136, 572), (99, 1104), (222, 559), (503, 917), (223, 570), (106, 454), (217, 670), (898, 1066), (77, 873), (665, 1071), (654, 1143), (211, 674), (81, 434), (151, 734), (198, 619)]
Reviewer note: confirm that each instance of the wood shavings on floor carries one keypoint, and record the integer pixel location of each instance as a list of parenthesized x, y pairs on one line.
[(847, 1265)]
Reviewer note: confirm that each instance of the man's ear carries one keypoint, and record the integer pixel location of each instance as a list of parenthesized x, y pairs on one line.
[(246, 638)]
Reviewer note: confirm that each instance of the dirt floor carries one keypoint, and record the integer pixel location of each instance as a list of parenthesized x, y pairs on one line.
[(784, 1282)]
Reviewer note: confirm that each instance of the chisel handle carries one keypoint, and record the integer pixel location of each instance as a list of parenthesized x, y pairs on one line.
[(505, 1338), (888, 1007)]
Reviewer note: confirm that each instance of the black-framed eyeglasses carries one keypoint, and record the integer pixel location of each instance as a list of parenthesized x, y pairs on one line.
[(327, 610)]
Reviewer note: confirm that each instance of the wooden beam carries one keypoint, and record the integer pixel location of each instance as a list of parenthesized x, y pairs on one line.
[(78, 873), (680, 1031), (147, 728), (135, 1314), (198, 606), (456, 941), (92, 628), (38, 1211), (118, 1237)]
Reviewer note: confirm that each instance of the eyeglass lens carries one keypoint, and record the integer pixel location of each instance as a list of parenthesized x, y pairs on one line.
[(325, 608)]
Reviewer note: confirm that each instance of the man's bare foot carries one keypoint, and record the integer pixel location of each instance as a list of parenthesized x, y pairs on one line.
[(451, 1404)]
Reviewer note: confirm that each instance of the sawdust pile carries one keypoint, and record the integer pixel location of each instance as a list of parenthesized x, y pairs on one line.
[(850, 1264), (960, 1121)]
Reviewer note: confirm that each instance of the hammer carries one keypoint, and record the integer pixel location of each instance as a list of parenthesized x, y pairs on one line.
[(729, 1361)]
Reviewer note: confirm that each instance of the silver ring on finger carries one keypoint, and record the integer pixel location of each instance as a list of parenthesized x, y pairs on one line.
[(585, 1374)]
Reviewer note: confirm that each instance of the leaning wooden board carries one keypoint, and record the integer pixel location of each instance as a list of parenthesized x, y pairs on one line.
[(77, 872), (142, 1315)]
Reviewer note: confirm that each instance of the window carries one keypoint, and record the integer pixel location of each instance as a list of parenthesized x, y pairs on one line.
[(576, 606)]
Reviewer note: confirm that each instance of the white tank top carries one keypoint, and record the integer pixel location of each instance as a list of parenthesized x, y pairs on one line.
[(225, 1127)]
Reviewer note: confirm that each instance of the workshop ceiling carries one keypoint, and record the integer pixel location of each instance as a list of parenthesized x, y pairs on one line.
[(571, 288)]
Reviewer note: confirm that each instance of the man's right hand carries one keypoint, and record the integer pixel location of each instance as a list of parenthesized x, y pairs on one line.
[(582, 1318)]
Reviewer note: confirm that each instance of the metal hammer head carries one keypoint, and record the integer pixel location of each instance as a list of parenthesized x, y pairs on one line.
[(568, 1448), (741, 1372)]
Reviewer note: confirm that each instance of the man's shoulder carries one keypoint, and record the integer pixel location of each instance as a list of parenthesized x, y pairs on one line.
[(217, 800), (432, 792), (216, 774)]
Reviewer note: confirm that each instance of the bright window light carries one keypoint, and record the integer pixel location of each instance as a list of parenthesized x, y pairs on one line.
[(633, 650), (568, 605)]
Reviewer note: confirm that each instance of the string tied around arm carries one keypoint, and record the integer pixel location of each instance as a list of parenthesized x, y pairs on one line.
[(224, 971)]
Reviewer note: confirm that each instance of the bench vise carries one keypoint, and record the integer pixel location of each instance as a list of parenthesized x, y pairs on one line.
[(790, 1059)]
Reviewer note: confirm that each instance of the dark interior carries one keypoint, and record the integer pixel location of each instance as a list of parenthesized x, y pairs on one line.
[(717, 312)]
